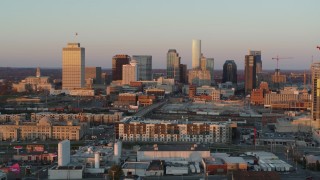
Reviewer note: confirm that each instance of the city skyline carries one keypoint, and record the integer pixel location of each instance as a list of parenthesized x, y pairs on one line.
[(227, 30)]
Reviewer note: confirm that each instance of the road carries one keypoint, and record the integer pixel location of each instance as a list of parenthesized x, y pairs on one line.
[(150, 108)]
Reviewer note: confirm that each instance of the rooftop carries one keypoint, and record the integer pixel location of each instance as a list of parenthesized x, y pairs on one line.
[(89, 151), (213, 161), (234, 160), (174, 148), (132, 120), (135, 165), (255, 175)]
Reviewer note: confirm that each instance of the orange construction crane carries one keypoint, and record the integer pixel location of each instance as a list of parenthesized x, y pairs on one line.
[(278, 58)]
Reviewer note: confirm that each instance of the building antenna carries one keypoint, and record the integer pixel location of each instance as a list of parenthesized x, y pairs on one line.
[(75, 36)]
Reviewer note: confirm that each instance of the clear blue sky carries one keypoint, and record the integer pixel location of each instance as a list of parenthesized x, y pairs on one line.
[(33, 32)]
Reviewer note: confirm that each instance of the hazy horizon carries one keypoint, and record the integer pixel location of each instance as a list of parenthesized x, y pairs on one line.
[(34, 32)]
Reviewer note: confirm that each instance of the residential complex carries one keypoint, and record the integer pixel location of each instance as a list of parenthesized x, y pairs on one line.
[(134, 130)]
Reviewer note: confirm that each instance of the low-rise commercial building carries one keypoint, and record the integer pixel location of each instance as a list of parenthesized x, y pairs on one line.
[(183, 152), (214, 165), (158, 93), (295, 124), (288, 99), (146, 100)]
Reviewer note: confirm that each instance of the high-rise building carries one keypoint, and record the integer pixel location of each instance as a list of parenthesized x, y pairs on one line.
[(145, 66), (183, 73), (210, 67), (207, 64), (173, 65), (249, 73), (229, 72), (93, 73), (203, 62), (315, 94), (73, 66), (38, 73), (117, 62), (199, 77), (257, 55), (196, 54), (130, 72)]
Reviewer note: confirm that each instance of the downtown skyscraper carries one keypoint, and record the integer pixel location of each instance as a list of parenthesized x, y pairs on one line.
[(200, 74), (196, 54), (257, 55), (130, 72), (117, 62), (249, 73), (229, 72), (315, 95), (145, 66), (73, 66), (173, 65)]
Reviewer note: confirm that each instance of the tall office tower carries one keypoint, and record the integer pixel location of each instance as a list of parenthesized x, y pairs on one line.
[(249, 73), (203, 62), (38, 73), (196, 54), (145, 67), (230, 72), (130, 72), (210, 67), (173, 65), (73, 66), (93, 73), (257, 55), (315, 93), (117, 62), (183, 73)]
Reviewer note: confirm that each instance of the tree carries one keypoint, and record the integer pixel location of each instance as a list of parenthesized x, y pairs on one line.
[(115, 172)]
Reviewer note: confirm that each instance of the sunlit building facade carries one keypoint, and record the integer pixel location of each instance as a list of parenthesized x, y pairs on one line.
[(73, 66), (196, 54), (173, 65)]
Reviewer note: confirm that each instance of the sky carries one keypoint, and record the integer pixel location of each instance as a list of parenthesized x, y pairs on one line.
[(33, 32)]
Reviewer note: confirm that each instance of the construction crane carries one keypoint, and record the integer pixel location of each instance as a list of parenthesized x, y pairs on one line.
[(278, 58)]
